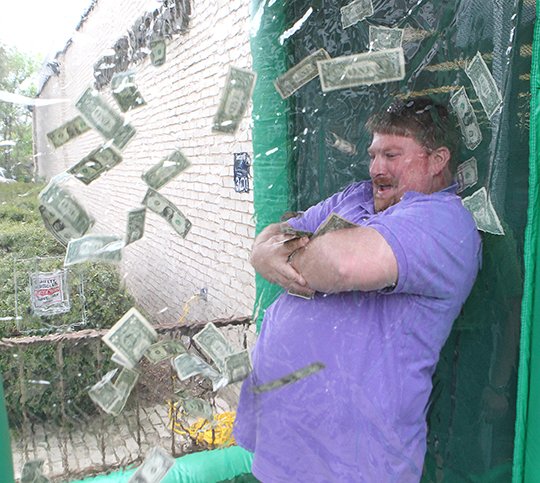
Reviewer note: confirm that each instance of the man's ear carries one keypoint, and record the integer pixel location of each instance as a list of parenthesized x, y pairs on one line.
[(439, 160)]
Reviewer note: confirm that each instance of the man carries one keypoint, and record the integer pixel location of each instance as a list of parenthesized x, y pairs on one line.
[(385, 295)]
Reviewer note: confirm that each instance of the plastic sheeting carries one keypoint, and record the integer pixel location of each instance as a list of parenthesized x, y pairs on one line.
[(527, 448), (472, 411)]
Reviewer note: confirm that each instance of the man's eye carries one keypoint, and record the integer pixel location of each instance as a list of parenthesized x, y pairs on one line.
[(391, 155)]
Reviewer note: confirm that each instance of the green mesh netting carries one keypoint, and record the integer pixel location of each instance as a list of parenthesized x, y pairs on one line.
[(471, 427)]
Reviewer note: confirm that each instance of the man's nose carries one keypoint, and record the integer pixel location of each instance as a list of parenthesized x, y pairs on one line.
[(376, 166)]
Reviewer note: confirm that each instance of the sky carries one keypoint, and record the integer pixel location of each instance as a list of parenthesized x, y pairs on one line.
[(39, 27)]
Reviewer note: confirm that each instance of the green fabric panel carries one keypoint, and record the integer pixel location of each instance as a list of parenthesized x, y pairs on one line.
[(270, 132), (6, 463), (527, 443), (204, 467)]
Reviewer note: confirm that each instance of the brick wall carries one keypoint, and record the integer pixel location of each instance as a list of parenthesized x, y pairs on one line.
[(162, 270)]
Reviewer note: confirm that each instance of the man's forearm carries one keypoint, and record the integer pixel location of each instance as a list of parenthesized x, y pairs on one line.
[(350, 259)]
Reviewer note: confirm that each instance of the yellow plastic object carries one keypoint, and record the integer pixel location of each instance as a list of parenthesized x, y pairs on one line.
[(213, 434)]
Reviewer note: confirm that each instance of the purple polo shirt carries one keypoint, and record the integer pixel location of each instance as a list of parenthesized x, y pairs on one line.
[(363, 417)]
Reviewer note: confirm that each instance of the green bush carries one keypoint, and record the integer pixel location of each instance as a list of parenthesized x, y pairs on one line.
[(25, 246)]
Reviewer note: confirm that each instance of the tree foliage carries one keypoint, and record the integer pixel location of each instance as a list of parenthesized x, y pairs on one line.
[(16, 71)]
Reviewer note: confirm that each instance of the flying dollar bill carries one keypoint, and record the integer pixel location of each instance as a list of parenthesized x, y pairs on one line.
[(341, 144), (131, 336), (32, 472), (104, 118), (167, 169), (125, 91), (213, 344), (234, 100), (237, 366), (99, 114), (483, 212), (123, 136), (62, 214), (382, 38), (56, 227), (468, 123), (484, 85), (94, 248), (135, 225), (355, 11), (124, 384), (66, 132), (467, 174), (158, 52), (163, 207), (289, 378), (197, 408), (155, 466), (189, 365), (299, 75), (362, 69), (92, 166), (164, 349), (105, 394)]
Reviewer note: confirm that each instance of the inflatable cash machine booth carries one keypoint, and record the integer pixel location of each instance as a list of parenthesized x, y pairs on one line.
[(484, 413)]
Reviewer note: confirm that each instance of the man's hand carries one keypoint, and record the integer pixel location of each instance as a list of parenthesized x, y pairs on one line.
[(270, 258)]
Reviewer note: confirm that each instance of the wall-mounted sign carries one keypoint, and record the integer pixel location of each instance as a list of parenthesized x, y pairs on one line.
[(49, 293), (242, 162)]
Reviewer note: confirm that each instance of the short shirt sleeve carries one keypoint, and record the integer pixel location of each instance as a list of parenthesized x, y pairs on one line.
[(436, 245)]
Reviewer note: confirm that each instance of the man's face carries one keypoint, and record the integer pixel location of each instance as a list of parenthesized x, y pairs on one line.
[(398, 164)]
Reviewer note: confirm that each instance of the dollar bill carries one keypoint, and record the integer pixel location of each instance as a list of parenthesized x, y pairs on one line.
[(468, 123), (66, 132), (355, 11), (156, 465), (135, 225), (125, 91), (164, 349), (168, 168), (189, 365), (105, 394), (94, 248), (124, 384), (299, 75), (289, 378), (92, 166), (66, 215), (237, 366), (197, 408), (234, 100), (131, 336), (467, 174), (63, 233), (158, 52), (341, 144), (123, 136), (483, 212), (300, 294), (332, 223), (382, 38), (163, 207), (32, 472), (213, 344), (289, 230), (484, 85), (362, 69), (122, 361), (99, 114)]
